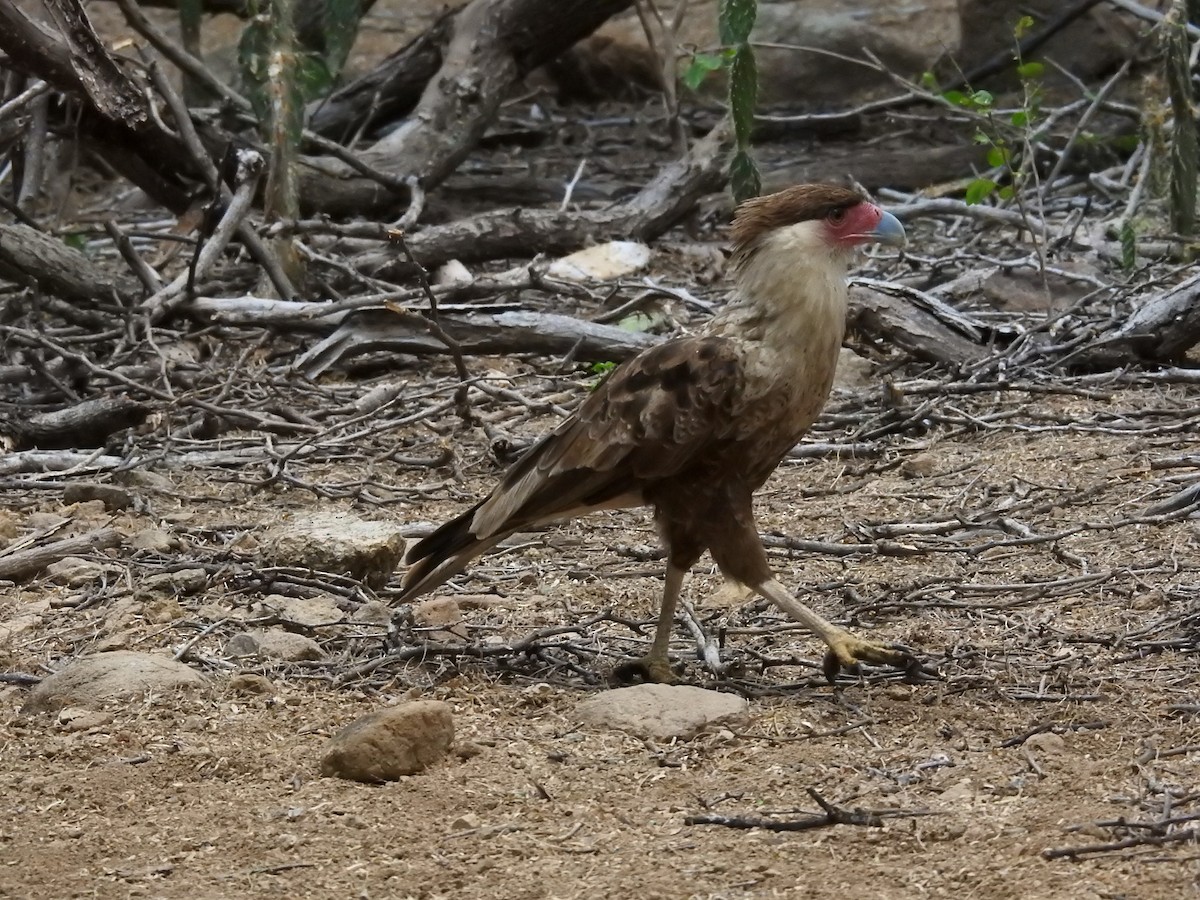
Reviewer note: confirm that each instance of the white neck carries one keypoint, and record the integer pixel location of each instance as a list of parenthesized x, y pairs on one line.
[(790, 292)]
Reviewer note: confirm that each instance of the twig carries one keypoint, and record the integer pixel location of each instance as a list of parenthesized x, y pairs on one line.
[(461, 402), (1147, 840), (834, 815)]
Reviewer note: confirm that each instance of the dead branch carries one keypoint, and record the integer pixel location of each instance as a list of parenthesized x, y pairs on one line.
[(393, 331), (1162, 329), (880, 316), (87, 424), (833, 815), (27, 563), (1188, 835), (492, 45), (31, 257), (524, 232)]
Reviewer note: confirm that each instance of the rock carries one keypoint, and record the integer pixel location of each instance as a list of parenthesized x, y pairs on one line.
[(42, 521), (251, 684), (147, 481), (161, 610), (76, 718), (662, 711), (602, 262), (90, 680), (854, 372), (184, 581), (73, 571), (1047, 743), (110, 495), (274, 644), (373, 612), (306, 612), (920, 466), (442, 615), (9, 526), (385, 745), (453, 273), (909, 37), (154, 541), (340, 543)]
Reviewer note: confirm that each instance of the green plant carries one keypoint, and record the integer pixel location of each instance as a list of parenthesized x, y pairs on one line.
[(735, 21), (1007, 137), (600, 370)]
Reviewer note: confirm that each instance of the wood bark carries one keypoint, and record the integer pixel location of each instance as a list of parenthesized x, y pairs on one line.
[(1162, 329), (477, 334), (87, 424), (34, 258), (116, 111), (492, 45), (27, 563)]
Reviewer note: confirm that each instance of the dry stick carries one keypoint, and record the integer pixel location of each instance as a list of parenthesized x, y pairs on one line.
[(834, 815), (191, 140), (30, 562), (1150, 840), (187, 63), (146, 275), (435, 328), (165, 301)]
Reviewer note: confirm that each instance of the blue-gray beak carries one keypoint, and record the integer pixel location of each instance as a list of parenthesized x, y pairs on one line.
[(889, 231)]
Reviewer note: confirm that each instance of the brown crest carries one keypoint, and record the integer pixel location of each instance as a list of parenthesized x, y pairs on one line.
[(801, 203)]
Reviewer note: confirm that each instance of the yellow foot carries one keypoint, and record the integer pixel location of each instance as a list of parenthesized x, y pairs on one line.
[(846, 651), (646, 669)]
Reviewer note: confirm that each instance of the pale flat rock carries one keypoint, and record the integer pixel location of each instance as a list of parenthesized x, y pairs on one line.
[(373, 612), (854, 372), (385, 745), (91, 680), (113, 497), (662, 711), (340, 543), (443, 616), (154, 540), (73, 571), (182, 581), (249, 683), (273, 644), (602, 262), (306, 612)]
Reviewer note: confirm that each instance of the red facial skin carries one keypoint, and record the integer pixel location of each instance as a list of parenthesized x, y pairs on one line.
[(853, 226)]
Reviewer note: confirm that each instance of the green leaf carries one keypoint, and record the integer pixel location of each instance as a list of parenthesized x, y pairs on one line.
[(1020, 118), (735, 20), (744, 179), (958, 98), (1006, 192), (929, 81), (1031, 70), (1023, 25), (341, 22), (743, 93), (700, 67), (76, 240), (1128, 246), (982, 137), (602, 368), (982, 99), (997, 156), (979, 190)]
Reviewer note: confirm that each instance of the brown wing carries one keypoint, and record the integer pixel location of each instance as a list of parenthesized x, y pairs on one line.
[(648, 420)]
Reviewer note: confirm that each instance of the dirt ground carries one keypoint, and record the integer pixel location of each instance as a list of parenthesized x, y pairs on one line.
[(1091, 640), (1003, 536)]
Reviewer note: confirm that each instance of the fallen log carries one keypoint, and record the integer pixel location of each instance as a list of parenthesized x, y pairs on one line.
[(27, 563)]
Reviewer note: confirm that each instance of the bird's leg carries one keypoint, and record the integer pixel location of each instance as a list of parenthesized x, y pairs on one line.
[(656, 665), (845, 650)]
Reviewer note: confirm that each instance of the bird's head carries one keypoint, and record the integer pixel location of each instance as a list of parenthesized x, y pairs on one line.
[(814, 219)]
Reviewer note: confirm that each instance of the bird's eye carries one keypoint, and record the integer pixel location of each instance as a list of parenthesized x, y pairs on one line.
[(837, 216)]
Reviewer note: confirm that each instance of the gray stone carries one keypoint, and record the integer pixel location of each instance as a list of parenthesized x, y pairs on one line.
[(854, 372), (154, 540), (443, 617), (184, 581), (73, 571), (385, 745), (340, 543), (662, 711), (373, 612), (250, 683), (111, 496), (77, 718), (306, 612), (91, 680), (274, 644)]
